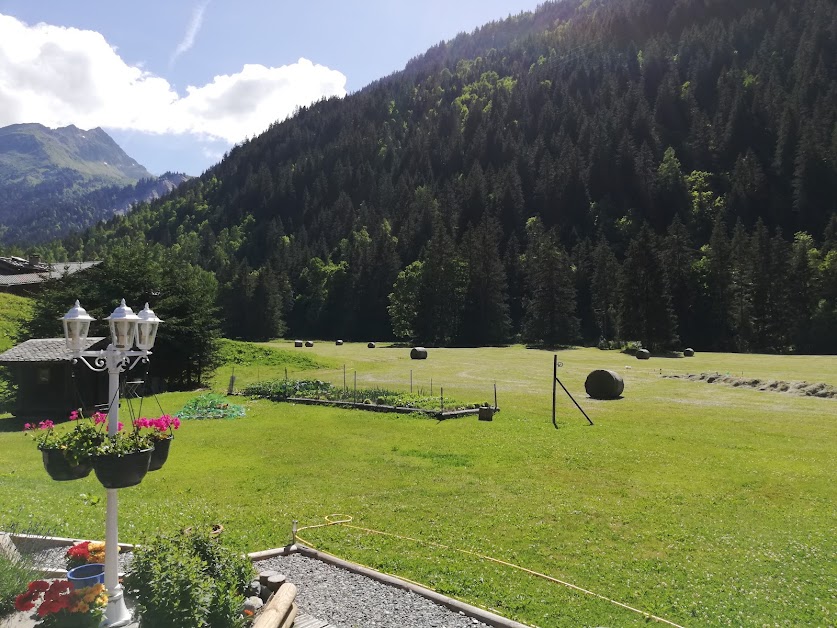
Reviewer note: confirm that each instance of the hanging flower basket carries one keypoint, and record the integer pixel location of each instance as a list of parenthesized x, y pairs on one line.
[(115, 471), (59, 468), (160, 454)]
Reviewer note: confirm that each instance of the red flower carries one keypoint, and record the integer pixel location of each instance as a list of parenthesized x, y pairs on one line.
[(26, 601), (39, 585)]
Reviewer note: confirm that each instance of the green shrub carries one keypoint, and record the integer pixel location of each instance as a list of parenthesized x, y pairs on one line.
[(15, 576), (189, 580)]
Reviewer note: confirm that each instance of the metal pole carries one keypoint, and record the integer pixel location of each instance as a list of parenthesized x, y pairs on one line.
[(495, 395), (554, 381), (117, 613), (442, 397)]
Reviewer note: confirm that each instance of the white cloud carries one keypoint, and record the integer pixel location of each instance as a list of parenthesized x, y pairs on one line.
[(59, 76), (191, 31)]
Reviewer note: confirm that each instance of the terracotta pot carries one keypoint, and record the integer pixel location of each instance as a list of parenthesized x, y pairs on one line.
[(59, 468), (122, 471)]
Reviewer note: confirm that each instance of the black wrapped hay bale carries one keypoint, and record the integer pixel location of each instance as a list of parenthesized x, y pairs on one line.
[(371, 345), (297, 343), (339, 343), (688, 352), (643, 354), (309, 343), (418, 353), (603, 384)]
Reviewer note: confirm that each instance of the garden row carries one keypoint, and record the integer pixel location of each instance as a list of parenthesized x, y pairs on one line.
[(376, 399)]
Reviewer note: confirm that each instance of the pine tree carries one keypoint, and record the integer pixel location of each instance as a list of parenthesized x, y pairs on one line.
[(678, 256), (442, 291), (605, 290), (645, 311), (486, 310), (549, 301)]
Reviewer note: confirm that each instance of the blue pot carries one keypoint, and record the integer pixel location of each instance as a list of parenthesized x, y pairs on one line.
[(87, 575)]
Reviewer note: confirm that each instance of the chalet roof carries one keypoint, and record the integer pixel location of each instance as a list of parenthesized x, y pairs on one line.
[(50, 271), (44, 350)]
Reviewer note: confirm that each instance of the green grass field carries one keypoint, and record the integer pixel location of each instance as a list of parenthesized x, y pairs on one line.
[(704, 504)]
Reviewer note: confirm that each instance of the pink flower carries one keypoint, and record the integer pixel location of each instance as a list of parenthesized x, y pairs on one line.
[(28, 426), (99, 417), (74, 415), (46, 425)]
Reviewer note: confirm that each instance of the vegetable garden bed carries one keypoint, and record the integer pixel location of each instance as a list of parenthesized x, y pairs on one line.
[(316, 392)]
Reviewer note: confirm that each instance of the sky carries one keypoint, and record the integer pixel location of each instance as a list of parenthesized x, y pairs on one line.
[(178, 83)]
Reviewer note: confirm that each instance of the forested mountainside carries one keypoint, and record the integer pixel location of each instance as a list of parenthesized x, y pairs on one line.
[(55, 212), (55, 181), (653, 170)]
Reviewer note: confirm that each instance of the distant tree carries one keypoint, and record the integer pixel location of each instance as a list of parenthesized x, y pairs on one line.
[(404, 301), (645, 311), (486, 309), (549, 303), (182, 295), (605, 290), (442, 291)]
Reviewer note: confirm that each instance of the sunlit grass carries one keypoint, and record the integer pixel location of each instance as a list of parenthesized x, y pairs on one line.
[(701, 503)]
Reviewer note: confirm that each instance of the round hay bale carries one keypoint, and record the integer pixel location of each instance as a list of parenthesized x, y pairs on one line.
[(371, 345), (309, 343), (603, 384), (339, 343), (688, 352), (643, 354), (297, 343), (418, 353)]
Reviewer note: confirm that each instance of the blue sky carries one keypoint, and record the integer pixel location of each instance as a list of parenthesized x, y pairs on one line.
[(176, 84)]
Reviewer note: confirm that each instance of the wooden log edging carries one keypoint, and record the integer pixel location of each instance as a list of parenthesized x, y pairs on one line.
[(486, 617), (374, 407), (280, 611)]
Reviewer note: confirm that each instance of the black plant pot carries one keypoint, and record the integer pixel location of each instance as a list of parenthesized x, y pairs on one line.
[(122, 471), (59, 468), (160, 454)]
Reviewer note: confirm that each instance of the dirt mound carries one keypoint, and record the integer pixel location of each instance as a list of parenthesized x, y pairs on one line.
[(803, 389)]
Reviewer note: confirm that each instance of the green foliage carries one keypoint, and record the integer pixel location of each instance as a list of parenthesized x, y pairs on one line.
[(285, 390), (180, 293), (190, 580), (403, 301), (210, 406), (15, 576)]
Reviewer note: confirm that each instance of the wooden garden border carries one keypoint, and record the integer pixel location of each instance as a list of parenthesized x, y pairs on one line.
[(374, 407)]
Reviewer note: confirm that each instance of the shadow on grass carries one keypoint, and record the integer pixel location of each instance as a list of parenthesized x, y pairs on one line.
[(13, 424)]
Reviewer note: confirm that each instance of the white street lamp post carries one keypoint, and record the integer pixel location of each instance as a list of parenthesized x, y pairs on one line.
[(126, 329)]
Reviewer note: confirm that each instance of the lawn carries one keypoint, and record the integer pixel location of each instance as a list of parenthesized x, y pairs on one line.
[(704, 504)]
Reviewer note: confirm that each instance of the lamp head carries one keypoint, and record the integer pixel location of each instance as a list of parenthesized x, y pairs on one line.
[(147, 328), (123, 326), (76, 325)]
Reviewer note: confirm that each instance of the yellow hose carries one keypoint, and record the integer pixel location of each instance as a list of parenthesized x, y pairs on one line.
[(345, 521)]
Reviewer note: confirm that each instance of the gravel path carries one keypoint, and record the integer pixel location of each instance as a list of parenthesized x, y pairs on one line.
[(349, 600), (329, 593)]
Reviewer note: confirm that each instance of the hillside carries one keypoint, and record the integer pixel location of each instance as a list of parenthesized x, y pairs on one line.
[(53, 181), (653, 170)]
